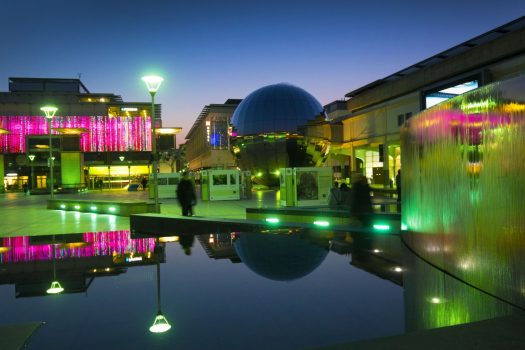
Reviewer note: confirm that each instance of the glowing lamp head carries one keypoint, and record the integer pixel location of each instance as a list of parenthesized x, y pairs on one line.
[(55, 288), (31, 157), (153, 82), (160, 324), (121, 158), (49, 111)]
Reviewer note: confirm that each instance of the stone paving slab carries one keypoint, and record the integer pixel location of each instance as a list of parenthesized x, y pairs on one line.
[(16, 336), (27, 215), (505, 333)]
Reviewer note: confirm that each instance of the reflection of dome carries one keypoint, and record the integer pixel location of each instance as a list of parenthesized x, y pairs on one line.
[(275, 108), (279, 257)]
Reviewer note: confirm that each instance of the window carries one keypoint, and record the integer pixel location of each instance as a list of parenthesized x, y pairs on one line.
[(219, 180), (233, 179), (400, 119), (173, 181), (408, 116)]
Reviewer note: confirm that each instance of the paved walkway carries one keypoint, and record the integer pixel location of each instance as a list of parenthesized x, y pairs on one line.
[(27, 215)]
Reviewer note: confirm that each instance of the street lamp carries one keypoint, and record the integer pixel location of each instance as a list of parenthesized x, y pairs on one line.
[(32, 158), (50, 113), (122, 158), (160, 324), (55, 287), (153, 83)]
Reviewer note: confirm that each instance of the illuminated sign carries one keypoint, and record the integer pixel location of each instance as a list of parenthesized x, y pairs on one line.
[(133, 258)]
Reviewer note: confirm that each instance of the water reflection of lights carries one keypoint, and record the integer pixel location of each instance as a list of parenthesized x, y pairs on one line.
[(431, 248), (436, 300), (169, 239), (55, 288), (73, 245), (160, 324), (466, 264)]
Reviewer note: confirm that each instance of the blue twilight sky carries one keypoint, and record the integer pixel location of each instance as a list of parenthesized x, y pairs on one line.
[(209, 51)]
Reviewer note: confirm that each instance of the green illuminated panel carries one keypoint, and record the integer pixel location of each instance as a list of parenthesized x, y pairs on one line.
[(71, 169)]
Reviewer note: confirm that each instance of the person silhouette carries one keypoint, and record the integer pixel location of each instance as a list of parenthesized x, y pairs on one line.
[(361, 200), (186, 242), (186, 195)]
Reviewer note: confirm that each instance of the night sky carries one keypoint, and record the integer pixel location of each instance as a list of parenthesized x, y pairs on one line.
[(209, 51)]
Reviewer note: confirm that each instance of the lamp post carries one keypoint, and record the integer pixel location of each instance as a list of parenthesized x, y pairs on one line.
[(55, 287), (50, 113), (32, 158), (160, 324), (153, 84), (129, 172), (122, 158)]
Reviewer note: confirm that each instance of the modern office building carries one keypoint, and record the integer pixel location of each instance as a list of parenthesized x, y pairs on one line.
[(208, 141), (96, 138), (369, 139)]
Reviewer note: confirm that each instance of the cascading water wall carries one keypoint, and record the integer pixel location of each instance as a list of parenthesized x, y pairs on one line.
[(463, 184)]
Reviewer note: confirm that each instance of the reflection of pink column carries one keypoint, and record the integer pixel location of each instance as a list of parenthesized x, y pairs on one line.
[(97, 244)]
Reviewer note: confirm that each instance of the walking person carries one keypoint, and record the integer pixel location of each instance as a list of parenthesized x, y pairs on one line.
[(186, 195), (144, 183)]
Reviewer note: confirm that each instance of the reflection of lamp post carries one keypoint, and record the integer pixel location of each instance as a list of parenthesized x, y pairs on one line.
[(55, 288), (160, 324), (32, 158), (153, 84), (50, 113)]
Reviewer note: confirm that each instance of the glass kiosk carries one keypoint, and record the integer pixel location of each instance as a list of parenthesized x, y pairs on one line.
[(307, 186), (220, 184)]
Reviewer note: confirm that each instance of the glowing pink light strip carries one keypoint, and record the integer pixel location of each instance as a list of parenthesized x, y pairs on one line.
[(104, 133), (98, 244)]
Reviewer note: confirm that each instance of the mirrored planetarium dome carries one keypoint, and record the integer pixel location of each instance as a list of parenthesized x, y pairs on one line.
[(279, 257), (275, 108)]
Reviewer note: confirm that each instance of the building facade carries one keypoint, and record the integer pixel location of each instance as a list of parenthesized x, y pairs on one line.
[(369, 140), (208, 142), (96, 138)]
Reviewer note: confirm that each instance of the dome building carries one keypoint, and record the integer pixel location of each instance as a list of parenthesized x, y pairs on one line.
[(265, 133), (280, 257)]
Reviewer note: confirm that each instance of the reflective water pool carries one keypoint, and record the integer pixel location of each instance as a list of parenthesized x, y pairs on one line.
[(276, 288)]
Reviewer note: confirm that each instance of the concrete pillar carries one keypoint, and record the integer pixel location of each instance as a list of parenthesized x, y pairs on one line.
[(386, 165)]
